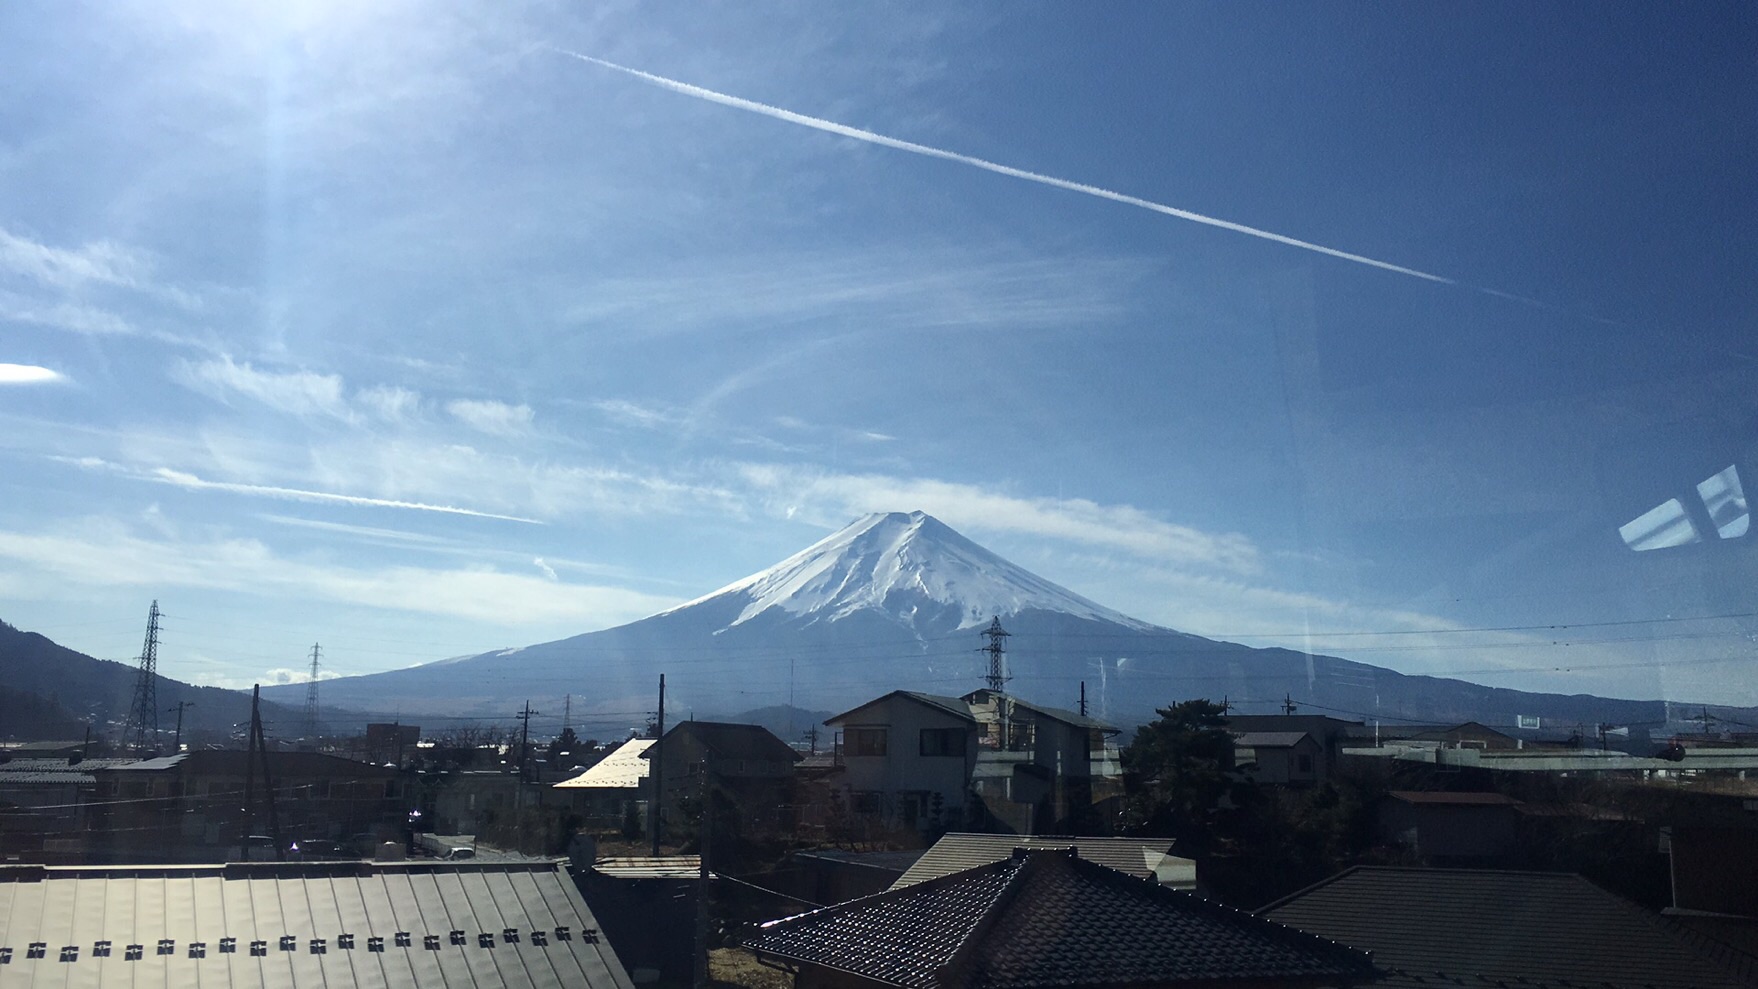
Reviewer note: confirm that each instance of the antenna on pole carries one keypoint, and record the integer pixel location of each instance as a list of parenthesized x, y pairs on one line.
[(311, 697), (997, 677), (143, 719)]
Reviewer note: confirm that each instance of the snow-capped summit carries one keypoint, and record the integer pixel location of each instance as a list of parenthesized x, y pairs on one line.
[(910, 566)]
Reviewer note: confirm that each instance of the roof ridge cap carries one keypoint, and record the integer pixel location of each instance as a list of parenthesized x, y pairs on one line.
[(991, 915)]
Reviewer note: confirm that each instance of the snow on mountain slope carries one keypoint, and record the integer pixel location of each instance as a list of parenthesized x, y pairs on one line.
[(902, 564)]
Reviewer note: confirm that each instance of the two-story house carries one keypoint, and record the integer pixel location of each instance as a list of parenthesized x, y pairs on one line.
[(987, 759)]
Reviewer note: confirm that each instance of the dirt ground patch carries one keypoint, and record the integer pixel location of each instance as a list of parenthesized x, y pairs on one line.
[(737, 967)]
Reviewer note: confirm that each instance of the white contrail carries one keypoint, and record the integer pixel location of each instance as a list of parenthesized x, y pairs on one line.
[(843, 130), (165, 475)]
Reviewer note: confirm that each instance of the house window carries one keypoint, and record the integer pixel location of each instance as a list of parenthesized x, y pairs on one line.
[(942, 741), (864, 741), (866, 801)]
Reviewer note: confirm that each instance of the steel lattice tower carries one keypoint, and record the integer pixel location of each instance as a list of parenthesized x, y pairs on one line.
[(311, 697), (997, 654), (143, 720)]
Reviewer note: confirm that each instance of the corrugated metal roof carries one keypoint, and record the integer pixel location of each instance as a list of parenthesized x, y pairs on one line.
[(1049, 919), (274, 925), (1139, 857), (9, 778), (1487, 927), (622, 769), (58, 765), (641, 867)]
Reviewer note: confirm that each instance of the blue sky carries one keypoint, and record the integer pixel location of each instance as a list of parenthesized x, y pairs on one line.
[(400, 329)]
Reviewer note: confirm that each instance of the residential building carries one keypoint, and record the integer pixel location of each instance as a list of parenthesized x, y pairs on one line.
[(191, 807), (1143, 858), (1280, 757), (1480, 927), (924, 761), (745, 762), (1332, 734), (1046, 919), (275, 925), (614, 791), (46, 801), (907, 758)]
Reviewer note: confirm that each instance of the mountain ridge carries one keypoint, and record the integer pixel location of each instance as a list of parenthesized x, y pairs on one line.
[(896, 600)]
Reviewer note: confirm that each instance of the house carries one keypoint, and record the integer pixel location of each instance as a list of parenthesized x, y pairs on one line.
[(190, 807), (924, 761), (1470, 735), (1283, 757), (615, 791), (1444, 827), (1143, 858), (1046, 919), (1332, 734), (746, 762), (1481, 927), (302, 924), (907, 758), (45, 803)]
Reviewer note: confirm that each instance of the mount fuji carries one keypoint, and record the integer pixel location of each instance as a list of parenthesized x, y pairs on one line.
[(898, 601)]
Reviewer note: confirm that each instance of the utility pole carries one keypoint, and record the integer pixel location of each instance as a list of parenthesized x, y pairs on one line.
[(703, 882), (656, 771), (311, 698), (567, 714), (525, 742), (997, 655), (257, 753), (1083, 698), (1288, 705), (811, 737), (143, 718), (177, 745)]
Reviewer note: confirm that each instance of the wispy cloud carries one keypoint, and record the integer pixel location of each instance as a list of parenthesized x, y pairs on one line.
[(856, 133), (100, 553), (300, 393), (389, 402), (27, 374), (544, 568), (835, 498), (190, 482), (101, 263), (492, 417), (70, 317)]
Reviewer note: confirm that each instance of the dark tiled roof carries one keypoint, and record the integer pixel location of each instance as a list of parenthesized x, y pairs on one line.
[(954, 706), (1473, 927), (957, 852), (726, 740), (283, 925), (1048, 919)]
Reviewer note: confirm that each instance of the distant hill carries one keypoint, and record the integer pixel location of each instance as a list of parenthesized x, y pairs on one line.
[(900, 601), (29, 717), (69, 690)]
